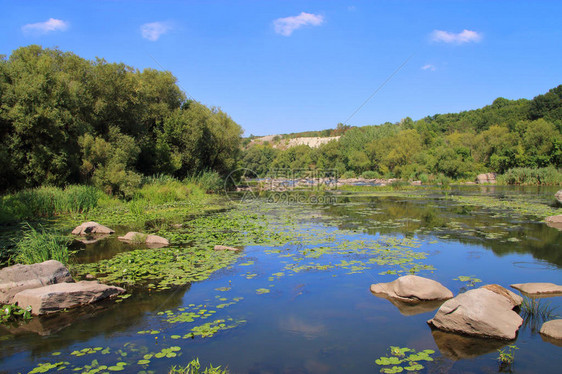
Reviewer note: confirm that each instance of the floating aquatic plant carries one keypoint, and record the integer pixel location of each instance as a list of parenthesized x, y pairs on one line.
[(401, 359)]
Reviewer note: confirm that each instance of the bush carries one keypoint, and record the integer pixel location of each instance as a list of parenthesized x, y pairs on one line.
[(424, 178), (348, 174), (38, 246), (529, 176), (209, 181), (369, 174)]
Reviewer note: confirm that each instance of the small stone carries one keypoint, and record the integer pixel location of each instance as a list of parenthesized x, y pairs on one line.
[(552, 329)]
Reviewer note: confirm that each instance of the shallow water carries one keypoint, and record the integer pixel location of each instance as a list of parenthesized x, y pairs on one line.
[(305, 307)]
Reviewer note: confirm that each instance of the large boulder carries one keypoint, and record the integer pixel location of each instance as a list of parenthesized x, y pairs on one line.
[(411, 288), (558, 196), (151, 240), (61, 296), (14, 279), (486, 178), (480, 312), (538, 289), (91, 228)]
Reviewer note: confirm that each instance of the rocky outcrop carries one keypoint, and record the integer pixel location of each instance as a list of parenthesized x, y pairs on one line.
[(91, 228), (137, 237), (61, 296), (480, 312), (486, 178), (412, 289), (538, 289), (19, 277), (225, 248)]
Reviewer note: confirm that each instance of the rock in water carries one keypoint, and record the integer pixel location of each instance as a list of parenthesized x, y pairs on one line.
[(411, 288), (14, 279), (91, 228), (479, 312), (486, 178), (151, 240), (60, 296), (225, 248), (558, 196), (554, 221), (551, 332), (538, 289)]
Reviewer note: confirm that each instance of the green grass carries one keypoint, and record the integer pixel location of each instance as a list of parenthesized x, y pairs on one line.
[(535, 312), (41, 202), (194, 367), (40, 245)]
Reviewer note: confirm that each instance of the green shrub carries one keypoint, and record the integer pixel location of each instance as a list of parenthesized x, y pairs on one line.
[(348, 174), (41, 245), (529, 176), (209, 181), (424, 178), (369, 174)]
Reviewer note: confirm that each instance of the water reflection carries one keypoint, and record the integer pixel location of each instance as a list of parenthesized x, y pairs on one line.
[(458, 347)]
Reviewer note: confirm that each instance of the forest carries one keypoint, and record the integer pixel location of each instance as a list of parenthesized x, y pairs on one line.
[(67, 120), (505, 136)]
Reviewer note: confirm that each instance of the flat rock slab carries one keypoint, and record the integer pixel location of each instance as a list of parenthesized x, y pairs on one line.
[(91, 228), (225, 248), (411, 288), (552, 329), (61, 296), (538, 289), (479, 312), (153, 240), (17, 278)]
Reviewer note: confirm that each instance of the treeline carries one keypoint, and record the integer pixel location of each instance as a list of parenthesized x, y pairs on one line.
[(507, 134), (67, 120)]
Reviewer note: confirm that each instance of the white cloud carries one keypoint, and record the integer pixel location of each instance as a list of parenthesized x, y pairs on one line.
[(465, 36), (153, 30), (286, 26), (429, 67), (51, 24)]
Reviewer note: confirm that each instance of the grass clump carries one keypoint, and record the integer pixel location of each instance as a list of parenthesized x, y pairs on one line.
[(194, 367), (549, 176), (535, 312), (41, 245), (48, 202)]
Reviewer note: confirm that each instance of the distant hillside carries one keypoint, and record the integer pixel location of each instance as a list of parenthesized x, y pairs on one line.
[(498, 137)]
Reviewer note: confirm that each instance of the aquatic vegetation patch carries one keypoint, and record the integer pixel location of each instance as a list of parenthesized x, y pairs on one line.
[(535, 312), (469, 280), (13, 314), (194, 367), (161, 268), (401, 359)]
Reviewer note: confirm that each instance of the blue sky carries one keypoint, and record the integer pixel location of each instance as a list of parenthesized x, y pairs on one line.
[(288, 66)]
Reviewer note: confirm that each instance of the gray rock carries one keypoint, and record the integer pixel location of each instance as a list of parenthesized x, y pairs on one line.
[(411, 288), (479, 312), (60, 296), (486, 178), (225, 248), (14, 279), (538, 289), (91, 228)]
